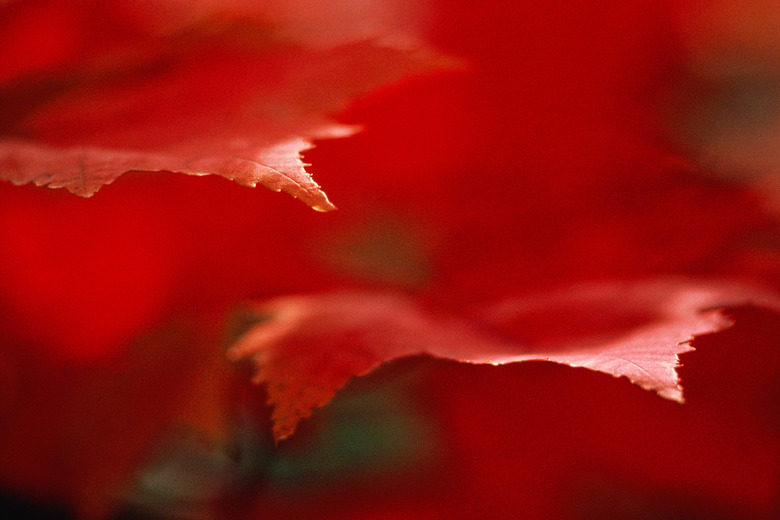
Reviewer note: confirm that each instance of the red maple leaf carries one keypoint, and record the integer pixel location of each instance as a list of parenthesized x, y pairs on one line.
[(307, 348), (217, 98)]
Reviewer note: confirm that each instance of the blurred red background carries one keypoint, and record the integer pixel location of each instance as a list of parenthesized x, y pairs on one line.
[(553, 159)]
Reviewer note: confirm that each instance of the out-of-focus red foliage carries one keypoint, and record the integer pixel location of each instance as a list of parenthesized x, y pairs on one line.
[(548, 163), (725, 111)]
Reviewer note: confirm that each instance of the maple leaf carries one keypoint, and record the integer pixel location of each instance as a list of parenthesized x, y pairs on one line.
[(310, 346), (234, 106)]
